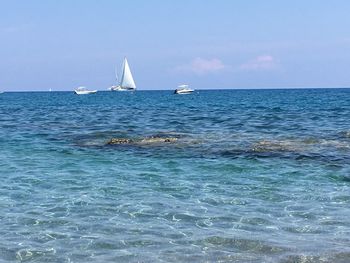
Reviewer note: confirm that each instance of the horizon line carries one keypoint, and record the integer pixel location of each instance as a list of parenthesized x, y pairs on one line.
[(252, 88)]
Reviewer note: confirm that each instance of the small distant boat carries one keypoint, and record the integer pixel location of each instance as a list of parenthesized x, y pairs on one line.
[(84, 91), (127, 82), (115, 87), (183, 89)]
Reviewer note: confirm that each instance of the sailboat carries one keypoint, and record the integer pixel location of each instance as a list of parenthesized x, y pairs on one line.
[(127, 82)]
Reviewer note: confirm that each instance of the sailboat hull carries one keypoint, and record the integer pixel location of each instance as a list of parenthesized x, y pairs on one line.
[(118, 88)]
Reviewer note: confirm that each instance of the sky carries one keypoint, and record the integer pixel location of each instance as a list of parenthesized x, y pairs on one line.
[(219, 44)]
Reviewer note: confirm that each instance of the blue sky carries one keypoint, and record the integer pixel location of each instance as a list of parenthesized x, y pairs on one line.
[(207, 44)]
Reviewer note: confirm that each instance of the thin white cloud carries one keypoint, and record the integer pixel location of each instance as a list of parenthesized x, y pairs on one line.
[(14, 28), (263, 62), (202, 66)]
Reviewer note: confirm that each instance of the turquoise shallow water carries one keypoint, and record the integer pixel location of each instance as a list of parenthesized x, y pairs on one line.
[(255, 176)]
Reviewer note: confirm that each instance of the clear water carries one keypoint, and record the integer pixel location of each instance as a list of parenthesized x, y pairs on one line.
[(255, 176)]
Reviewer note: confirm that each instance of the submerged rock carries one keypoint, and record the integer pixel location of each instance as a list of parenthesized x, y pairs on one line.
[(276, 146), (144, 141), (119, 141), (157, 140), (315, 145)]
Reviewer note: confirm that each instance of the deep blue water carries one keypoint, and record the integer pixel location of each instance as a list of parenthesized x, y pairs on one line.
[(255, 176)]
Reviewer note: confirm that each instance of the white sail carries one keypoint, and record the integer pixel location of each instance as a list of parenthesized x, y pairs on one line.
[(126, 79)]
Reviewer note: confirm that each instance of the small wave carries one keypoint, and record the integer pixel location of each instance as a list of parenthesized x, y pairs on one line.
[(33, 254), (341, 257), (241, 244), (345, 134)]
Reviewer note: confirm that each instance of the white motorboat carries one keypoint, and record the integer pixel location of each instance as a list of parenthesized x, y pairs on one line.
[(127, 82), (183, 89), (84, 91), (115, 88)]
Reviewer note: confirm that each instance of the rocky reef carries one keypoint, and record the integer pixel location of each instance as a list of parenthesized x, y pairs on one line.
[(119, 141), (301, 145), (143, 141), (276, 146)]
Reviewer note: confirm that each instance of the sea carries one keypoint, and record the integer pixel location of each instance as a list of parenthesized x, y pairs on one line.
[(248, 176)]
